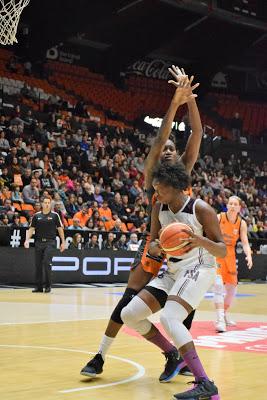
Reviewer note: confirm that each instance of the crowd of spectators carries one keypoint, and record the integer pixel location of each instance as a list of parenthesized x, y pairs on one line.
[(94, 175)]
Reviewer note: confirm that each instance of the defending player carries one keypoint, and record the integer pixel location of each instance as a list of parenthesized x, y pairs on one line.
[(144, 268), (233, 227)]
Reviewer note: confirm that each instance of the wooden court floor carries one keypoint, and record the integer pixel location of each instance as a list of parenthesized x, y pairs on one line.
[(45, 339)]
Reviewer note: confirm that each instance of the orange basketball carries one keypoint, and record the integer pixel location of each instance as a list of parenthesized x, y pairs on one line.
[(170, 238)]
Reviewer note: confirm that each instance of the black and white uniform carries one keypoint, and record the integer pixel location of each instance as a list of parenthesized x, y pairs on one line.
[(45, 226), (193, 273)]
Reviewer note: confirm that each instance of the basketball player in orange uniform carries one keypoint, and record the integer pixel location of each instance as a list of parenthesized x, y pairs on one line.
[(233, 227), (144, 266)]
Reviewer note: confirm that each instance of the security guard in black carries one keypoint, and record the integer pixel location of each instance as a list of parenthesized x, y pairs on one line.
[(45, 224)]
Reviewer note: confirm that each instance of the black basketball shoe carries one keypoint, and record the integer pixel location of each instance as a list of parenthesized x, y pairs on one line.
[(93, 367), (172, 366), (202, 390)]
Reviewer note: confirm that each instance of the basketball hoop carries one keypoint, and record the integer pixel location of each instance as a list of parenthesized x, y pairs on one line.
[(10, 11)]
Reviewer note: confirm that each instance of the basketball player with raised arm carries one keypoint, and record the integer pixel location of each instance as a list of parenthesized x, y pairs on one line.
[(182, 287), (233, 227), (145, 266)]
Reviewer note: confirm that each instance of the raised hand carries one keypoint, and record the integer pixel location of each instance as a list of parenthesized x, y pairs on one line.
[(184, 90)]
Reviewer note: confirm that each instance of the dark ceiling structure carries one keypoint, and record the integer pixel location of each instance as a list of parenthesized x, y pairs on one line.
[(202, 35)]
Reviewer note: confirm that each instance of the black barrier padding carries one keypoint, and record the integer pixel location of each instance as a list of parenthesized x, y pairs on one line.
[(93, 266)]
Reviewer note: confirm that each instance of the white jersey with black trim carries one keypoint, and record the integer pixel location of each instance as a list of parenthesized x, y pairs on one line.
[(186, 215)]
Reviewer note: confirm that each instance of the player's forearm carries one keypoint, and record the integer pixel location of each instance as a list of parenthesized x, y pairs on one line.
[(194, 118), (217, 249), (166, 125), (247, 249)]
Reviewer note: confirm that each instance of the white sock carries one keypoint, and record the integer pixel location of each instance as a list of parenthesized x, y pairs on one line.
[(220, 314), (105, 345)]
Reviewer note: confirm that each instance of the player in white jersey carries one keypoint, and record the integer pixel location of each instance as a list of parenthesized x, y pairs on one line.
[(187, 278)]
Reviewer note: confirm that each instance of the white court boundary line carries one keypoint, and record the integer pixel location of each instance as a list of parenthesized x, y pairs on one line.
[(140, 369)]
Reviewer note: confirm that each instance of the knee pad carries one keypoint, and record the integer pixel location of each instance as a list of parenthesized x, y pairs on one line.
[(172, 318), (124, 301), (135, 315), (218, 290)]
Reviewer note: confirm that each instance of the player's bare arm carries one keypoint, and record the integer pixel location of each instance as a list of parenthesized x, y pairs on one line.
[(183, 94), (154, 247), (212, 241), (190, 155), (245, 243)]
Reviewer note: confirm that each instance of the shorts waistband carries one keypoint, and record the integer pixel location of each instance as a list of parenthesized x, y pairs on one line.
[(174, 259)]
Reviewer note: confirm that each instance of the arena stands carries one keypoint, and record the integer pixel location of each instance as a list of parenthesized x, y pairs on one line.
[(59, 138)]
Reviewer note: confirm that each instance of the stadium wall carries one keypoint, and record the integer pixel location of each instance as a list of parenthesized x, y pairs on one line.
[(92, 266)]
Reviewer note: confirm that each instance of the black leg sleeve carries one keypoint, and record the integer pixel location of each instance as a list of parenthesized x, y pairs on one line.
[(188, 321), (126, 298)]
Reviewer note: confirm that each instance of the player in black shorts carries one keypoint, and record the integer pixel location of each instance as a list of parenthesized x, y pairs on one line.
[(145, 266)]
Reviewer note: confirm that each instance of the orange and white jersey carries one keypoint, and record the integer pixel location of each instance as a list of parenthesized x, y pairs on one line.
[(230, 232)]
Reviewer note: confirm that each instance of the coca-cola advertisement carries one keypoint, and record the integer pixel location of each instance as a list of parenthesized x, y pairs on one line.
[(157, 69)]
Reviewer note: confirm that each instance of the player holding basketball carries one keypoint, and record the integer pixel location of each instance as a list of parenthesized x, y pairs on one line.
[(184, 284), (233, 227), (145, 267)]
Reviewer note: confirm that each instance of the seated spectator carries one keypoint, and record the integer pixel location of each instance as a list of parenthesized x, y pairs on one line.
[(76, 225), (16, 196), (91, 226), (71, 205), (46, 181), (83, 215), (5, 194), (88, 192), (30, 192), (110, 244), (57, 209), (135, 190), (37, 206), (122, 242), (116, 205), (259, 230), (4, 221), (133, 243), (97, 196), (138, 218), (105, 212), (8, 209), (16, 222), (76, 243), (6, 179), (60, 205), (118, 226), (4, 143), (26, 177), (93, 242), (97, 220), (117, 183)]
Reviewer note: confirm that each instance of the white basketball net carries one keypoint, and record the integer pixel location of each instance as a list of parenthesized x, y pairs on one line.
[(10, 11)]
